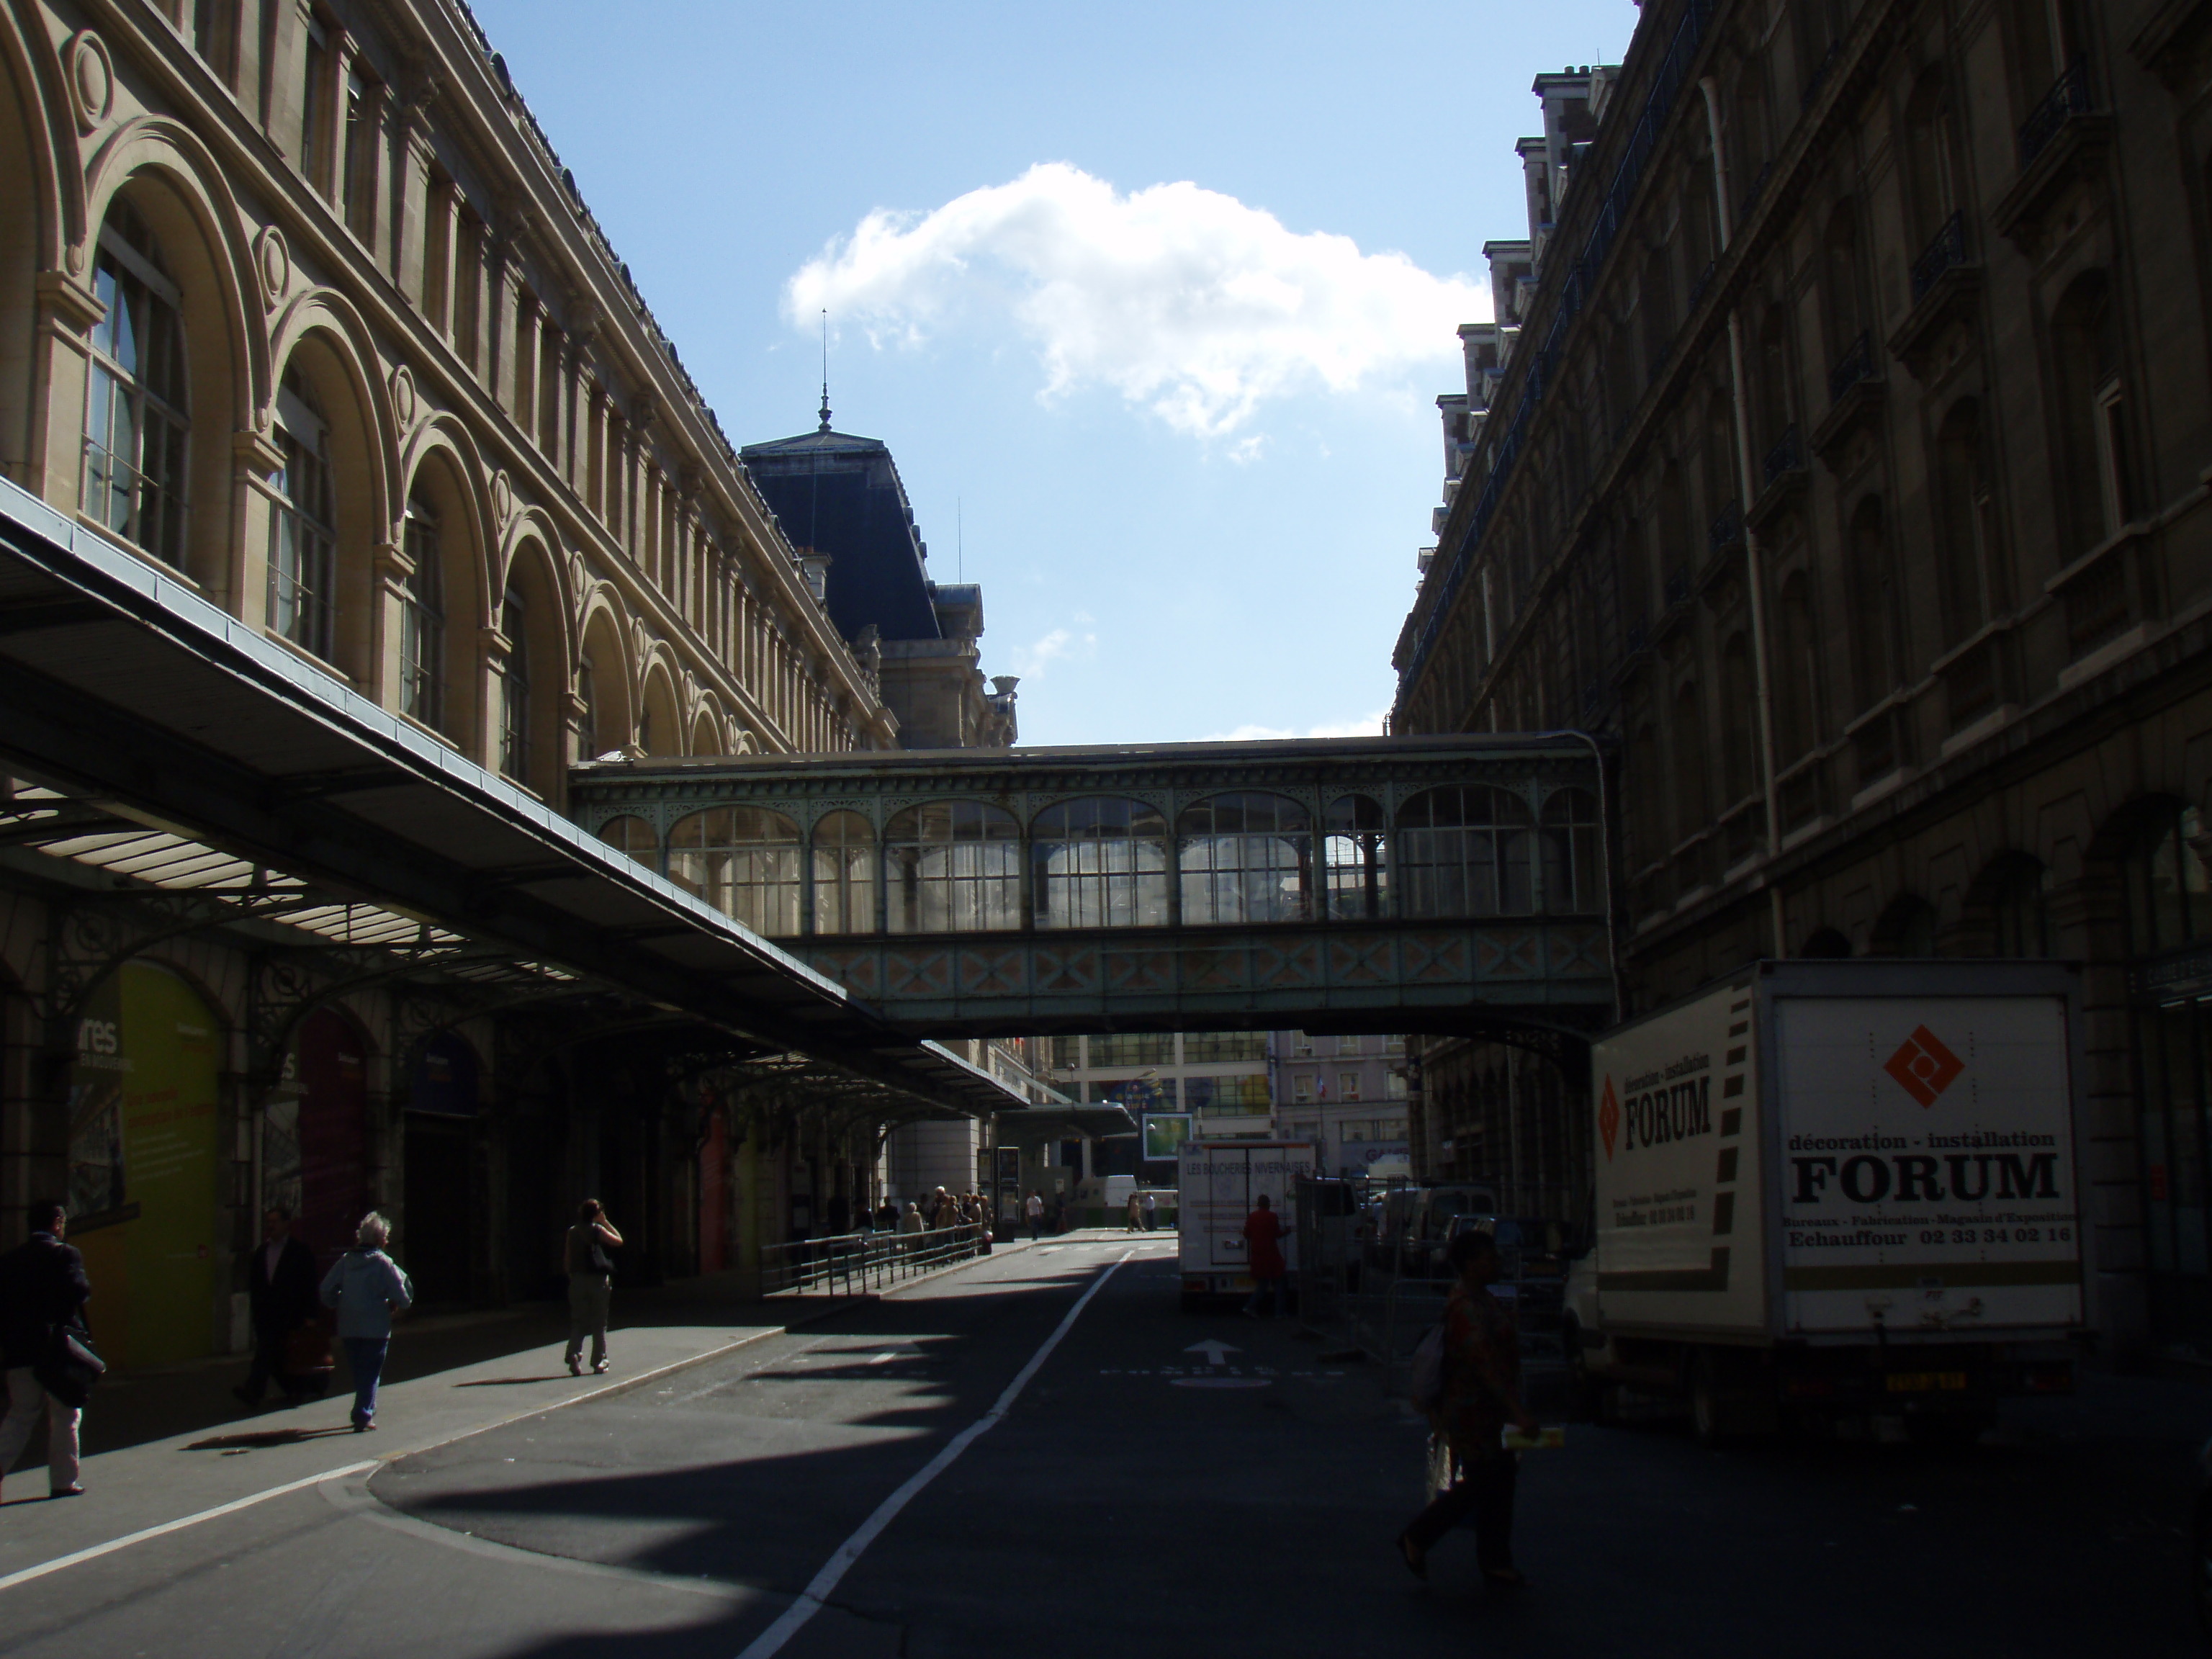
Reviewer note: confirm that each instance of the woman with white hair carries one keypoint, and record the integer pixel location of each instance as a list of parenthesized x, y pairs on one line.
[(367, 1287)]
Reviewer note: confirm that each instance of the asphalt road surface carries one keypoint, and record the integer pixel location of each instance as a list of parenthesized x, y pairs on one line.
[(1140, 1498)]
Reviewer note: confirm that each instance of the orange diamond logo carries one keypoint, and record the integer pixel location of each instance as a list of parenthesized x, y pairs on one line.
[(1608, 1119), (1923, 1066)]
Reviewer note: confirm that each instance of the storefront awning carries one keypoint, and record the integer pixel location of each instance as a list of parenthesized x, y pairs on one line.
[(120, 685)]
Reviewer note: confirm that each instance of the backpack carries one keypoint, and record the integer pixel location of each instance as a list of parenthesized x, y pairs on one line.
[(1426, 1383)]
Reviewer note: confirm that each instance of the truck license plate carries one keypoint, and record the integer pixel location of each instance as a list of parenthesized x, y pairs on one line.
[(1925, 1381)]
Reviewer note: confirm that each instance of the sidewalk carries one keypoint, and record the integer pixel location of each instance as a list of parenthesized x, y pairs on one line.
[(161, 1446)]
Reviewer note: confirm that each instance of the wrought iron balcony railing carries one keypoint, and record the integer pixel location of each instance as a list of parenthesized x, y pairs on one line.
[(1948, 249), (1856, 365), (1787, 454), (1678, 584), (2067, 99), (1726, 527)]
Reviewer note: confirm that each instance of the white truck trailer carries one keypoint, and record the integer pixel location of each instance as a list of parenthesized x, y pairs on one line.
[(1220, 1183), (1838, 1190)]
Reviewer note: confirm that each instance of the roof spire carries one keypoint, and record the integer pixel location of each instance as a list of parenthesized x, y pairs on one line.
[(825, 368)]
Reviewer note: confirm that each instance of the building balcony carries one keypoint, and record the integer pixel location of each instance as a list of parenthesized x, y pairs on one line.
[(1784, 474), (1947, 284), (1855, 395), (2061, 143)]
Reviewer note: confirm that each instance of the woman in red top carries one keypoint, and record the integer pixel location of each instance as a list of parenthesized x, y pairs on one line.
[(1482, 1394), (1263, 1255)]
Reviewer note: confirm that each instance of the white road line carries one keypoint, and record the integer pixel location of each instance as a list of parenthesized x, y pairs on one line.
[(178, 1525), (810, 1600)]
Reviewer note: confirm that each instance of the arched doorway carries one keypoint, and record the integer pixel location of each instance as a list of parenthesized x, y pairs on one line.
[(438, 1226), (314, 1135), (144, 1177)]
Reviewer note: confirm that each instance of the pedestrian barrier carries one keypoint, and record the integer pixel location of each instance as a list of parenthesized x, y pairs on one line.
[(855, 1264)]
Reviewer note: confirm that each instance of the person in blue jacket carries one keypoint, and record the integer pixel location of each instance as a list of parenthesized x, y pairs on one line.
[(367, 1287)]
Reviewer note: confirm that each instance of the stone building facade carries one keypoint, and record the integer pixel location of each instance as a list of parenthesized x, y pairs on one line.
[(1847, 471), (300, 310)]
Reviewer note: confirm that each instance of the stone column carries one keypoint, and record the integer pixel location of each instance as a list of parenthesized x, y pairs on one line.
[(255, 503), (53, 467), (391, 568)]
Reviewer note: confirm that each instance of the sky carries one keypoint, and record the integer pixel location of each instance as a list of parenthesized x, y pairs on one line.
[(1151, 302)]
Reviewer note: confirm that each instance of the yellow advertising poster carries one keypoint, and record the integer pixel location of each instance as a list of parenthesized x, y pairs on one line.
[(143, 1169)]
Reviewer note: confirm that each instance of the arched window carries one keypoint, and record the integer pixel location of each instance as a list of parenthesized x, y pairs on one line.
[(303, 540), (743, 860), (1907, 928), (844, 874), (136, 422), (1932, 159), (1777, 385), (1842, 290), (1464, 851), (1739, 712), (2168, 904), (1353, 850), (1688, 735), (1246, 858), (1870, 580), (953, 866), (1572, 873), (2093, 404), (423, 618), (1968, 511), (514, 691), (1825, 945), (635, 837), (1794, 669), (1675, 542), (1100, 863)]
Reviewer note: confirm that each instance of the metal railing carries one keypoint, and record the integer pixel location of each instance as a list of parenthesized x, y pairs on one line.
[(1948, 249), (1855, 366), (1727, 529), (2067, 98), (1787, 454), (854, 1264)]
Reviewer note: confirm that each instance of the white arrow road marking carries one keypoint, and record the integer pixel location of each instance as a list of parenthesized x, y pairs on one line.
[(1216, 1351)]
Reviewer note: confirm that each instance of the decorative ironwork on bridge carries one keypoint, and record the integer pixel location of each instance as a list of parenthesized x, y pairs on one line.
[(1363, 884)]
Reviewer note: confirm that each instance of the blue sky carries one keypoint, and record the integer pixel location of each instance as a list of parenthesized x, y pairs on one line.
[(1151, 302)]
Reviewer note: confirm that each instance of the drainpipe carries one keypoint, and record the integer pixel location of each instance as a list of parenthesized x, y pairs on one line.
[(1745, 476)]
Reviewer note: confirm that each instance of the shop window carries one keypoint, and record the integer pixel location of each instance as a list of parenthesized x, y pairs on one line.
[(1133, 1049), (845, 875), (1246, 858), (423, 618), (1465, 851), (1200, 1047), (1100, 863), (953, 866), (743, 860), (1353, 848), (303, 544), (135, 423)]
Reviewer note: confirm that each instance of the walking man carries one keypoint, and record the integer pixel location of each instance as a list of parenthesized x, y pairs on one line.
[(43, 1290), (367, 1287), (590, 1283), (1482, 1394), (280, 1291), (1151, 1210), (1034, 1211), (1263, 1255)]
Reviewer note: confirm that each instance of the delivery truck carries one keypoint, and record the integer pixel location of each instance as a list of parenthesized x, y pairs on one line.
[(1839, 1192), (1219, 1184)]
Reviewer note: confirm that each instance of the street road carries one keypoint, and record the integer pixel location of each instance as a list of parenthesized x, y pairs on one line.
[(1162, 1484)]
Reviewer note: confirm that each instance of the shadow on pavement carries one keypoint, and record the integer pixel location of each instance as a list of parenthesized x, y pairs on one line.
[(261, 1439)]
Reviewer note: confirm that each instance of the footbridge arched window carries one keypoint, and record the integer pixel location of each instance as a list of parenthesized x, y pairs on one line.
[(953, 866), (844, 874), (303, 543), (1571, 871), (422, 617), (634, 835), (1100, 863), (136, 420), (1352, 851), (1246, 857), (743, 860), (1463, 850)]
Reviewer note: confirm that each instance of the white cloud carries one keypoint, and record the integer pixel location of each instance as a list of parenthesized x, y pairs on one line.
[(1372, 727), (1185, 301), (1031, 661)]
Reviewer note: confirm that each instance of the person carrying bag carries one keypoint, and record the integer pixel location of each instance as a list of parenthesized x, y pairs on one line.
[(46, 1346), (591, 1284)]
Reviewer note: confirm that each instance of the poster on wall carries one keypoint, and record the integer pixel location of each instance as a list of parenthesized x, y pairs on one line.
[(142, 1165)]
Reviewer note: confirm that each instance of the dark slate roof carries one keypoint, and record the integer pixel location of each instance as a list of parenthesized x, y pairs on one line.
[(840, 495)]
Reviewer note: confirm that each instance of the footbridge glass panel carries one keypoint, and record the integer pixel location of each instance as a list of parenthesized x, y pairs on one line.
[(1369, 884)]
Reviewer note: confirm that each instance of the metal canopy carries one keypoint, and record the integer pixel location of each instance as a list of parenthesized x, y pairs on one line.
[(1043, 1123), (121, 685)]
